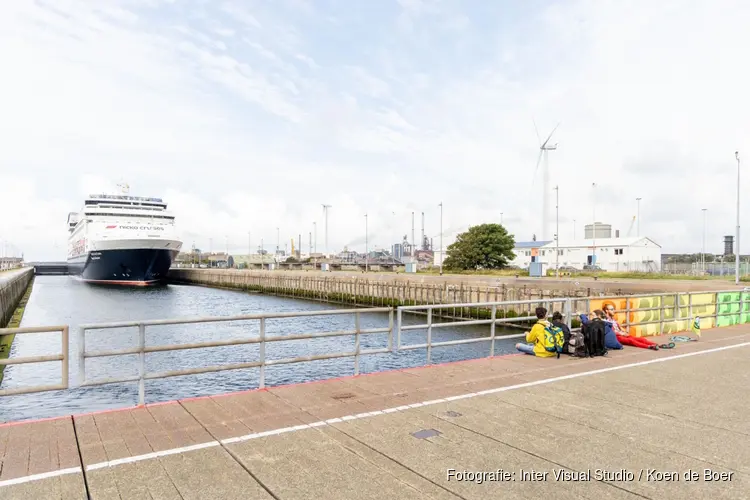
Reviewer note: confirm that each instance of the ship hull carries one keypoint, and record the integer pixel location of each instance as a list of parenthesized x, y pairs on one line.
[(131, 266)]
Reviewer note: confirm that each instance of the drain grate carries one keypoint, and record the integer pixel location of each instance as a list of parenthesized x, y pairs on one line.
[(451, 413), (426, 433), (344, 395)]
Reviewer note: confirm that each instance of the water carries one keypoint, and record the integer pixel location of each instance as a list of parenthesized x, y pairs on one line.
[(57, 300)]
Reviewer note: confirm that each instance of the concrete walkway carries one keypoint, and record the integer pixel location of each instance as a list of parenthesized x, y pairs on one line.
[(628, 426)]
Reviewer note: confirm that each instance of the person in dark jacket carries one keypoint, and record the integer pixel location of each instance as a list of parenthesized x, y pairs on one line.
[(611, 329), (557, 320)]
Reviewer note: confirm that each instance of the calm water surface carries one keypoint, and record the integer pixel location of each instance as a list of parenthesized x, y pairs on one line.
[(66, 300)]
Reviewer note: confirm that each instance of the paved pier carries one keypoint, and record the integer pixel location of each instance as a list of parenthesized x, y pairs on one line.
[(646, 418)]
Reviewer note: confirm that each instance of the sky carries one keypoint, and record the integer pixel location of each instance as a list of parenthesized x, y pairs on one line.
[(247, 116)]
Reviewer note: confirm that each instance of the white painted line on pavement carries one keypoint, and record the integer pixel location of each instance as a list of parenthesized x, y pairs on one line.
[(257, 435), (37, 477)]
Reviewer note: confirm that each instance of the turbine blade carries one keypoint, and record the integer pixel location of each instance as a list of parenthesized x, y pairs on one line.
[(538, 161), (550, 134), (537, 131)]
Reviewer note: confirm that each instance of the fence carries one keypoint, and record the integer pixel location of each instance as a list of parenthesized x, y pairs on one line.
[(63, 356), (142, 349), (640, 315)]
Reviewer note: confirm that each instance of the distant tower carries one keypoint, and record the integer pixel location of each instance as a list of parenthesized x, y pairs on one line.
[(728, 245)]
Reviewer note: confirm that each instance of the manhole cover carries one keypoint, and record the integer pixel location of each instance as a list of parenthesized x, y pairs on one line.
[(426, 433), (451, 413), (345, 395)]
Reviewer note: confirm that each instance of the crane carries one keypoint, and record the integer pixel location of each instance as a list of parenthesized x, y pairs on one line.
[(630, 229)]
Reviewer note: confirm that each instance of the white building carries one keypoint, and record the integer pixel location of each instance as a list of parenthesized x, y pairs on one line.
[(611, 254)]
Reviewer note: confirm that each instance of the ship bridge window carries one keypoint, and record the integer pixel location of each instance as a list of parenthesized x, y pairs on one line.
[(138, 216), (123, 203)]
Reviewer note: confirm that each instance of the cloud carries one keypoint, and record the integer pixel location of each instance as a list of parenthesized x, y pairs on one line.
[(246, 120)]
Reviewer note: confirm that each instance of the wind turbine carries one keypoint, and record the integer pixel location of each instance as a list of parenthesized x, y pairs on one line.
[(543, 148)]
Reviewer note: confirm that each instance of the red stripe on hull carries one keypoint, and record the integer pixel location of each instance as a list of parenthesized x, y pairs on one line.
[(123, 282)]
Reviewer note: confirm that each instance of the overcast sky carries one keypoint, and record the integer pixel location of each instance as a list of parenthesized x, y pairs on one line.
[(248, 115)]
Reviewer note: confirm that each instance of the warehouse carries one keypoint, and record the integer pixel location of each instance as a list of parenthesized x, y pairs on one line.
[(636, 254)]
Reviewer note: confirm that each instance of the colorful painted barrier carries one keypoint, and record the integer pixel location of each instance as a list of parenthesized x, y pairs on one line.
[(644, 316), (730, 304)]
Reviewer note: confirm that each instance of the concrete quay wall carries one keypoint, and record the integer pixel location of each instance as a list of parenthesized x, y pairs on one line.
[(373, 289), (12, 287)]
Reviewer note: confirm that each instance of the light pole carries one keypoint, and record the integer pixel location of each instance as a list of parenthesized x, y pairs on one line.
[(574, 229), (367, 254), (315, 237), (557, 231), (737, 252), (593, 255), (703, 249), (638, 217), (262, 255), (501, 218), (277, 242), (325, 215), (442, 255)]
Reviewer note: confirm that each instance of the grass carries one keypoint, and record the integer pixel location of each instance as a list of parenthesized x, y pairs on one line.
[(6, 341), (586, 274), (483, 272)]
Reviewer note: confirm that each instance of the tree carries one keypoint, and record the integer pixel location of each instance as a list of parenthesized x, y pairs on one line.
[(487, 246)]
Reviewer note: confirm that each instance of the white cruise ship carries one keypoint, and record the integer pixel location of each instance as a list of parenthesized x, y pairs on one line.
[(122, 239)]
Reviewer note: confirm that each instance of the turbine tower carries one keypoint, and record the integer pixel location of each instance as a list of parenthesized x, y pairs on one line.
[(543, 148)]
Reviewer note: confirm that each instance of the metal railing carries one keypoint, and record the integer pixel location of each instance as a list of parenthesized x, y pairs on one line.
[(671, 312), (262, 339), (63, 357), (549, 304)]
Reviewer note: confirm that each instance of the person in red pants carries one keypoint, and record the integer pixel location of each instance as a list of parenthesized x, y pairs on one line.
[(623, 337), (637, 342)]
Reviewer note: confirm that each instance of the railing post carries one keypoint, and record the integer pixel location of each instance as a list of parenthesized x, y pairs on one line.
[(141, 364), (262, 354), (690, 311), (568, 305), (429, 336), (65, 339), (390, 330), (81, 356), (739, 317), (356, 343), (492, 330), (627, 315), (661, 314), (399, 317)]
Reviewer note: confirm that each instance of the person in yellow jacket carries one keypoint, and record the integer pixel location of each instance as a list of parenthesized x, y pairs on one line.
[(535, 337)]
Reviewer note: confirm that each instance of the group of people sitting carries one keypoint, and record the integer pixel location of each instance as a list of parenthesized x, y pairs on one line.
[(600, 332)]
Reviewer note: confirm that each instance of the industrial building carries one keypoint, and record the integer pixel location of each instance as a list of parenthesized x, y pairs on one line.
[(10, 263), (632, 254)]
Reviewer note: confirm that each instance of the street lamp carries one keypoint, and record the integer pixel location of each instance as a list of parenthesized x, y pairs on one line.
[(367, 253), (593, 257), (442, 255), (501, 218), (315, 237), (703, 250), (638, 218), (737, 253), (277, 242), (557, 231)]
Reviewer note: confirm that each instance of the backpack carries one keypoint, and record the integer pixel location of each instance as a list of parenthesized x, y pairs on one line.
[(593, 337), (577, 345), (553, 339)]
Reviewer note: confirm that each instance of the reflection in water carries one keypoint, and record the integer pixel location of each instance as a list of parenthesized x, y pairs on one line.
[(66, 300)]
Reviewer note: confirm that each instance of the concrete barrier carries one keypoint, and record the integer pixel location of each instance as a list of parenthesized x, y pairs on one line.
[(12, 287)]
